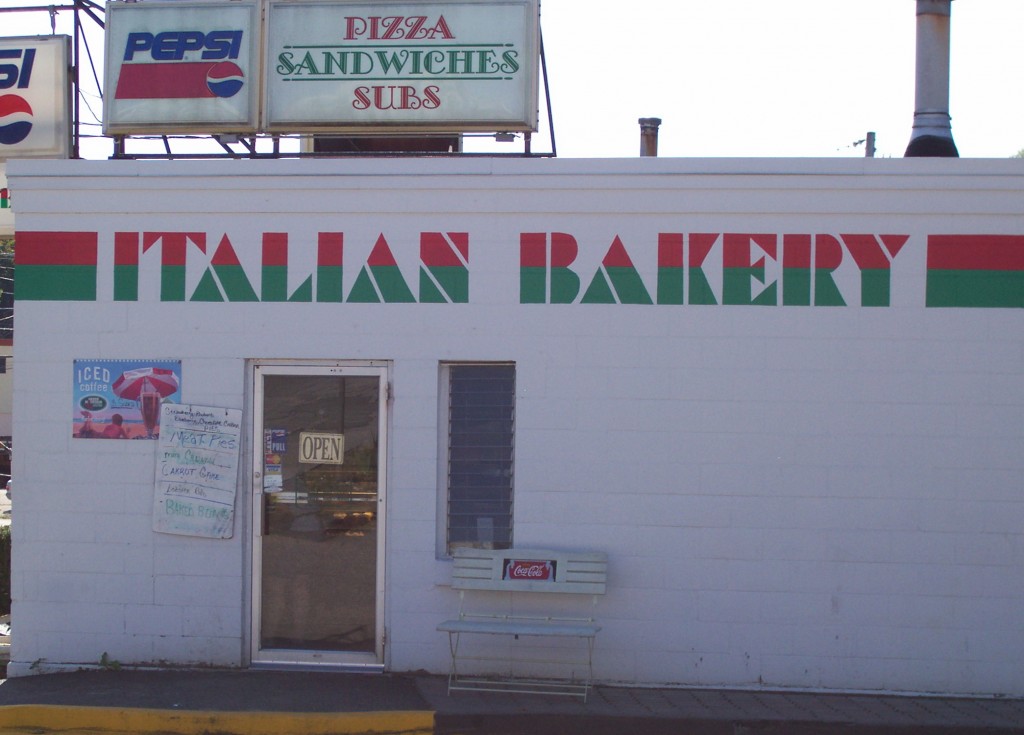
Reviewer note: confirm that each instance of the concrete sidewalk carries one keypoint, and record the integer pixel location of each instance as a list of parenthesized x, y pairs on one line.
[(322, 703)]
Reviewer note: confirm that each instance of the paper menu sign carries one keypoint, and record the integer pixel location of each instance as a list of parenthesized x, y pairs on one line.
[(197, 470)]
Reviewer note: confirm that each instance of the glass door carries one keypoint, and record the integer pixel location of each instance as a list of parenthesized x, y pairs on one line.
[(318, 492)]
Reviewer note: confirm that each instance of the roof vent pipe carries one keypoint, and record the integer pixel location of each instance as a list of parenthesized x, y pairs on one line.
[(932, 135), (649, 135)]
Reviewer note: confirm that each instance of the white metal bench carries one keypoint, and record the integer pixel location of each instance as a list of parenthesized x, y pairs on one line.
[(529, 571)]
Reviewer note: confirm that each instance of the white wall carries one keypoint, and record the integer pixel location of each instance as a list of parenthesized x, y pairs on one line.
[(6, 390), (798, 496), (6, 383)]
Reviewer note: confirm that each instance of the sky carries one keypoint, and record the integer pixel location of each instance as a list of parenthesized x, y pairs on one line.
[(737, 78)]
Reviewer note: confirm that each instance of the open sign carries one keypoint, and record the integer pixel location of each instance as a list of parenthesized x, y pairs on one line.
[(318, 448)]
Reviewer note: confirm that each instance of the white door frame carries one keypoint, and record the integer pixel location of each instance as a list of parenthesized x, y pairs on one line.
[(280, 658)]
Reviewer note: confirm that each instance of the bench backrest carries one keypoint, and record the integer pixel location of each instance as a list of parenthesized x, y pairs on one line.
[(530, 570)]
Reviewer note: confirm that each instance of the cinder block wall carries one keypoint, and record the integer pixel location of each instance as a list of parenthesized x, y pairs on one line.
[(797, 491)]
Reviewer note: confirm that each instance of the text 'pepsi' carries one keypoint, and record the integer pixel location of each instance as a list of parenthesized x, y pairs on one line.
[(11, 74), (173, 45)]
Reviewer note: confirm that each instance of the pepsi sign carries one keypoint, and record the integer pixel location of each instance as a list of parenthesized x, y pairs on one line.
[(181, 67), (15, 111), (34, 109), (165, 73), (15, 119)]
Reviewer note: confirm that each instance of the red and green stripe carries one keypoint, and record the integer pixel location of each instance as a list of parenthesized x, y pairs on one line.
[(828, 256), (740, 270), (617, 280), (796, 270), (126, 266), (172, 259), (330, 252), (985, 271), (873, 255), (274, 267), (274, 271), (5, 198), (533, 268), (544, 260), (681, 271), (56, 266), (172, 246), (380, 279), (444, 273), (670, 268), (700, 288), (225, 279)]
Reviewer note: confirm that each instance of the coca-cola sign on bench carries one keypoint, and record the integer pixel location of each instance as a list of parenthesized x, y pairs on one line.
[(529, 569)]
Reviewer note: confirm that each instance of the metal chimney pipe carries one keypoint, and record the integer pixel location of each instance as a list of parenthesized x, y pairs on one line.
[(932, 135), (649, 135)]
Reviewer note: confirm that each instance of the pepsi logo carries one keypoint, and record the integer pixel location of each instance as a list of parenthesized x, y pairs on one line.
[(15, 119), (224, 79)]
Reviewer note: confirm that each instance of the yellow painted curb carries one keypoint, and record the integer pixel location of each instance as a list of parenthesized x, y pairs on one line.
[(115, 720)]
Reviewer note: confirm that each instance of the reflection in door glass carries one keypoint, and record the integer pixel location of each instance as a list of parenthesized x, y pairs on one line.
[(319, 555)]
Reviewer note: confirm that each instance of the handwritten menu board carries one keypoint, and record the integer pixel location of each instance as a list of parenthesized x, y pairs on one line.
[(197, 470)]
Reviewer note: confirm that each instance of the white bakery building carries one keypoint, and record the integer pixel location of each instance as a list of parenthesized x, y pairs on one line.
[(784, 397), (260, 403)]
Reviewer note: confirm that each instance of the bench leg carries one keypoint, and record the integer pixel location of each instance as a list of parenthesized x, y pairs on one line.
[(590, 667), (572, 687), (453, 647)]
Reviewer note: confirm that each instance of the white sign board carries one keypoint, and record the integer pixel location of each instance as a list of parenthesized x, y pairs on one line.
[(6, 212), (425, 66), (35, 117), (182, 66), (197, 470)]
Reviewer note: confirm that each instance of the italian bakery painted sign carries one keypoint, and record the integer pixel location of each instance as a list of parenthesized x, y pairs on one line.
[(672, 268), (327, 65)]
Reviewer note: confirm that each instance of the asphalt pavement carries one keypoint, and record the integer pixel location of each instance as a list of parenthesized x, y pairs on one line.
[(250, 702)]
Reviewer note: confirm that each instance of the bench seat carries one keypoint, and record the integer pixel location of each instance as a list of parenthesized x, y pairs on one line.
[(520, 627)]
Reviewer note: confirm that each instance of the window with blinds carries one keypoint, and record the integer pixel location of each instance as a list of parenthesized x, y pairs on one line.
[(480, 453)]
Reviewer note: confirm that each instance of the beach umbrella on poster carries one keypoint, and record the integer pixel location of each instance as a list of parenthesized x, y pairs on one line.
[(148, 386), (133, 383)]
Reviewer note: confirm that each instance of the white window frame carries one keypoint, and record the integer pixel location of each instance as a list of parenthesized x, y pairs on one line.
[(443, 488)]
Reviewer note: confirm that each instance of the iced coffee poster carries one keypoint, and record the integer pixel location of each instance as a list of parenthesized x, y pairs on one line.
[(121, 399)]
